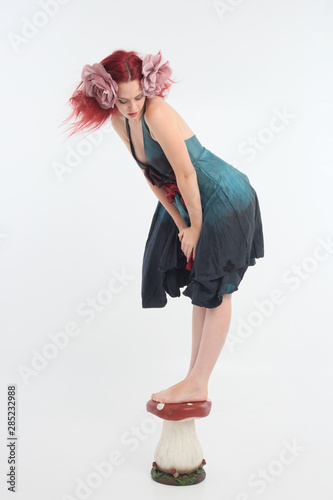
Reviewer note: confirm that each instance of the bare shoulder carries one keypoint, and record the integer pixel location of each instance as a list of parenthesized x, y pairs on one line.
[(158, 107), (119, 125), (159, 113)]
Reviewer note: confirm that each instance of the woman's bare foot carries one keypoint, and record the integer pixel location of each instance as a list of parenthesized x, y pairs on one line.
[(185, 391)]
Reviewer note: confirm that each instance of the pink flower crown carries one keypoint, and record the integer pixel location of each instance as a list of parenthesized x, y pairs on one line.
[(98, 83)]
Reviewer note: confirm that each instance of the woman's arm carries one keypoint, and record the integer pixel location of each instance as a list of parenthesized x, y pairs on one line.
[(161, 121), (159, 192), (169, 207)]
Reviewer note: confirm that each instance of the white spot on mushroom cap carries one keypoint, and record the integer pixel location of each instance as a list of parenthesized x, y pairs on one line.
[(160, 406)]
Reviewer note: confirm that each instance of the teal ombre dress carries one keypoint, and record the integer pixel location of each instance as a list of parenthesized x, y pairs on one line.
[(231, 236)]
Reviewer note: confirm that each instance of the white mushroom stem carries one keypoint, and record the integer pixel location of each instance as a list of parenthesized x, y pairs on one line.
[(178, 447)]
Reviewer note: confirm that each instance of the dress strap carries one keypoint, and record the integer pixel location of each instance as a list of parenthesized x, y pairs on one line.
[(129, 136)]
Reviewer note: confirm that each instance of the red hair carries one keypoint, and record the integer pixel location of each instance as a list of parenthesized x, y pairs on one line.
[(123, 66)]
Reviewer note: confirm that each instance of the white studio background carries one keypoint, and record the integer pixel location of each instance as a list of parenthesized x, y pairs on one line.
[(255, 86)]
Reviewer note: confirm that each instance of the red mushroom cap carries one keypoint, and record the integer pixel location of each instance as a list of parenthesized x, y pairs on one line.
[(179, 411)]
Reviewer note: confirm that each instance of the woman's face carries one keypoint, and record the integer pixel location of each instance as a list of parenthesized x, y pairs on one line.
[(130, 98)]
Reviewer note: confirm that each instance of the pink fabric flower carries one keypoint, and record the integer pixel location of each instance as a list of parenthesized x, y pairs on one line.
[(98, 83), (155, 74)]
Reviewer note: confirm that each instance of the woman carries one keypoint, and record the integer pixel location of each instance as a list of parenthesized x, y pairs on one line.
[(206, 229)]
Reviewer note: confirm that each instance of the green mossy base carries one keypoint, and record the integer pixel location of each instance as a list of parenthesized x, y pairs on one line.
[(182, 480)]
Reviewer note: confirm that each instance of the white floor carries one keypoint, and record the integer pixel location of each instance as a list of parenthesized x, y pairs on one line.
[(258, 443)]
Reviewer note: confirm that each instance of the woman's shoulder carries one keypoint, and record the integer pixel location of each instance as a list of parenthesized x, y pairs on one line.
[(153, 104), (158, 110), (119, 125), (156, 105)]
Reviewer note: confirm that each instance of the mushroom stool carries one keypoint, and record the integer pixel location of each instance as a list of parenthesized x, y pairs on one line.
[(178, 458)]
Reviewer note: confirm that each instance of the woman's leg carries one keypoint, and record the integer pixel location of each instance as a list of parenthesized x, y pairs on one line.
[(214, 332), (198, 319)]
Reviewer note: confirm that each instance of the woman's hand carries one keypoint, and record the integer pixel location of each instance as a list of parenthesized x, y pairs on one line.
[(189, 238)]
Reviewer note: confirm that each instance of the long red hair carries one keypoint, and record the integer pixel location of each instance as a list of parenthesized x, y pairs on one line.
[(123, 66)]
